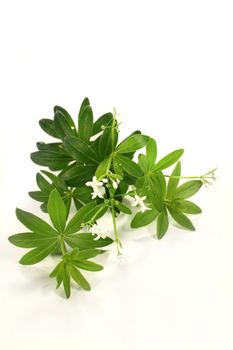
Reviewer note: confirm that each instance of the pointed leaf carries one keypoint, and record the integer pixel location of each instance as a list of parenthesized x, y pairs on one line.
[(87, 265), (34, 223), (79, 278), (31, 240), (86, 241), (62, 126), (144, 163), (162, 224), (128, 165), (75, 223), (174, 180), (79, 150), (108, 141), (78, 174), (38, 196), (38, 254), (47, 125), (144, 219), (57, 210), (103, 121), (61, 110), (84, 254), (168, 160), (66, 280), (42, 183), (51, 159), (132, 143), (123, 208), (151, 151), (85, 124), (182, 219), (104, 167), (186, 207), (188, 189)]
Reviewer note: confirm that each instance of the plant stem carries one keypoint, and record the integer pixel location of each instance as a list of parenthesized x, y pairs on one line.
[(201, 177), (189, 177), (117, 240), (62, 245), (113, 128)]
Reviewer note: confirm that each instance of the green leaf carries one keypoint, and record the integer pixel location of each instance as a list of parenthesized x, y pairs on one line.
[(66, 280), (38, 254), (84, 104), (51, 147), (188, 189), (82, 196), (47, 125), (155, 190), (104, 120), (51, 159), (38, 196), (132, 143), (57, 210), (123, 208), (42, 183), (86, 241), (62, 126), (168, 160), (34, 223), (75, 223), (84, 254), (117, 168), (96, 213), (31, 240), (80, 151), (162, 224), (186, 207), (104, 167), (87, 265), (173, 181), (57, 269), (85, 123), (182, 219), (62, 110), (108, 141), (144, 219), (79, 278), (128, 165), (144, 163), (78, 174), (151, 151)]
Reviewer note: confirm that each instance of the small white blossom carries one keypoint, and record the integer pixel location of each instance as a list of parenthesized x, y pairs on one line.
[(115, 183), (139, 201), (98, 187), (96, 230)]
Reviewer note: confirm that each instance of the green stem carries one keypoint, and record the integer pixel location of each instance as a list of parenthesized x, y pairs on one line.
[(62, 245), (113, 128), (117, 240), (201, 177), (189, 177)]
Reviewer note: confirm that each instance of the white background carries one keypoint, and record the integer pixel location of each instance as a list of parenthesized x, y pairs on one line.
[(167, 66)]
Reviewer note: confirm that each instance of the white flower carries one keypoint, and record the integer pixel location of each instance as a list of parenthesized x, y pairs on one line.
[(96, 230), (98, 188), (115, 183), (140, 202)]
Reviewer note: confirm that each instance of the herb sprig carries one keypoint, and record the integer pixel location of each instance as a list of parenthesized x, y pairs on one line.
[(88, 167)]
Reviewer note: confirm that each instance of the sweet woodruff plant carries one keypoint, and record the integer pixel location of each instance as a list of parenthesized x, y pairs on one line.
[(90, 170)]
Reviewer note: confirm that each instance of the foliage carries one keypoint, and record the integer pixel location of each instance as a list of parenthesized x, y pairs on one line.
[(88, 167)]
